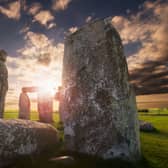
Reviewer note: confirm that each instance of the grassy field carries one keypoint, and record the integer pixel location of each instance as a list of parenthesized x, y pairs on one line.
[(154, 145)]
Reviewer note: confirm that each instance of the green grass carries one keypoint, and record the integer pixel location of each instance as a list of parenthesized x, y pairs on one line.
[(13, 114), (154, 146)]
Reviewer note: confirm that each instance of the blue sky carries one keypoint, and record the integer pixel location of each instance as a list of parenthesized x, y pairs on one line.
[(73, 15), (32, 33)]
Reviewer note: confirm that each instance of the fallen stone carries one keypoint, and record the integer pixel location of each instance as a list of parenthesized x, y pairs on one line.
[(24, 138), (97, 103), (146, 126)]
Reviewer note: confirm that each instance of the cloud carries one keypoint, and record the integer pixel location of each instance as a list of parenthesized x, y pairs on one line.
[(152, 77), (38, 48), (88, 19), (73, 29), (146, 31), (44, 17), (51, 25), (60, 4), (25, 29), (12, 10), (34, 8)]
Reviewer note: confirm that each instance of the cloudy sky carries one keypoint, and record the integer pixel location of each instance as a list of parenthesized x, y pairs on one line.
[(32, 33)]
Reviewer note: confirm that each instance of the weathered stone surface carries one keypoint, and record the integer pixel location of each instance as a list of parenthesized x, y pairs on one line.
[(3, 81), (146, 126), (97, 104), (24, 106), (23, 137)]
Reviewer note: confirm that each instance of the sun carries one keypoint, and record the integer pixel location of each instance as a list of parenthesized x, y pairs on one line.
[(46, 87), (46, 81)]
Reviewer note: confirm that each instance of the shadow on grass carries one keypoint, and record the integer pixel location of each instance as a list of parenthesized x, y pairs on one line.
[(155, 115), (80, 161)]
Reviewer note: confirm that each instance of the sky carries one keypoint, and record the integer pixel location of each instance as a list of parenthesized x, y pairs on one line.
[(33, 31)]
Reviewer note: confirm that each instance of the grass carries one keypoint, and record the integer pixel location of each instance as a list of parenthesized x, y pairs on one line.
[(154, 146), (13, 114)]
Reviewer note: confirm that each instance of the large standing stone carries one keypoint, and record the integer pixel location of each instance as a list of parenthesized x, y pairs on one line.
[(3, 81), (97, 104), (24, 137), (24, 106)]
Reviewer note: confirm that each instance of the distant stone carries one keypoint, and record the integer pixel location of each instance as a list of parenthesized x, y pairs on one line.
[(24, 106), (23, 137), (97, 104), (45, 107), (146, 126), (30, 89), (64, 160)]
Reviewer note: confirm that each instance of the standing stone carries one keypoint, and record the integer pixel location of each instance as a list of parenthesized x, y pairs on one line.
[(97, 104), (24, 106), (3, 81), (45, 107)]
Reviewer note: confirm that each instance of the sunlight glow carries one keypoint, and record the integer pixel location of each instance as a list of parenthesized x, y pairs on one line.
[(46, 82), (46, 87)]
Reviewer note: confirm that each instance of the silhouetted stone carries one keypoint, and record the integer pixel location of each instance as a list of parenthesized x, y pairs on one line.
[(45, 107), (3, 81), (24, 137), (97, 104), (24, 106)]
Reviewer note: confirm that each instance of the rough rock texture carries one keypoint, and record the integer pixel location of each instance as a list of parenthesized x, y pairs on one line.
[(23, 137), (146, 126), (97, 104), (3, 81)]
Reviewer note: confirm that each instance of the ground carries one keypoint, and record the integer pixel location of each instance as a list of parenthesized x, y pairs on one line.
[(154, 146)]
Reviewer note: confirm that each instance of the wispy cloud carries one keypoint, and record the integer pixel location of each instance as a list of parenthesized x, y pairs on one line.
[(38, 47), (147, 31), (44, 17), (34, 8), (60, 4), (25, 29), (12, 10), (88, 19), (72, 30), (51, 25)]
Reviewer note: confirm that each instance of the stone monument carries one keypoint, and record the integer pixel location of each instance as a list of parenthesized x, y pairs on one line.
[(44, 104), (97, 104), (3, 81), (24, 105), (45, 107)]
